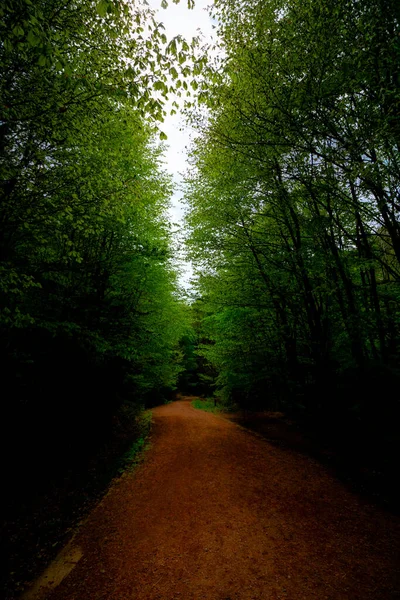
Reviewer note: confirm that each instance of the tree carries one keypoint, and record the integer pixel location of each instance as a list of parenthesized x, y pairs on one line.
[(90, 314), (292, 198)]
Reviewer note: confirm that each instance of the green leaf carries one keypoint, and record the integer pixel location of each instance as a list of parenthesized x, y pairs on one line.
[(102, 8), (32, 38), (18, 31), (172, 48)]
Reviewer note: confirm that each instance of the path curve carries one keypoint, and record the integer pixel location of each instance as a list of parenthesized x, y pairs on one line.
[(217, 513)]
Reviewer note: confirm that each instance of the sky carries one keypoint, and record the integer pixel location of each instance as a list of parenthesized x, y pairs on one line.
[(178, 19)]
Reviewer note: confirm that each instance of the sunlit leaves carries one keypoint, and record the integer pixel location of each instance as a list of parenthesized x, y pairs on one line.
[(102, 7)]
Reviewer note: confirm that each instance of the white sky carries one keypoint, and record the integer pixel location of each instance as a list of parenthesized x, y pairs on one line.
[(179, 20)]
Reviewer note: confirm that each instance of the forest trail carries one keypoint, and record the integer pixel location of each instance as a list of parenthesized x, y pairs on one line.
[(215, 512)]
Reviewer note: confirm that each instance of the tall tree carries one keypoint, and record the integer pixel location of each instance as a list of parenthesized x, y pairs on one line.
[(89, 305), (293, 195)]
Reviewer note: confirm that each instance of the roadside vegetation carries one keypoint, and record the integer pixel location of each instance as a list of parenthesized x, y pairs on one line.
[(208, 405)]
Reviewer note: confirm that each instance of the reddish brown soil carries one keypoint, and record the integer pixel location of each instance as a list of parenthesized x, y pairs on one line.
[(217, 513)]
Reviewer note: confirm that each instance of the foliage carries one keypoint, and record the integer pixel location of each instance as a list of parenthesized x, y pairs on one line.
[(293, 205), (134, 455), (89, 306), (207, 405)]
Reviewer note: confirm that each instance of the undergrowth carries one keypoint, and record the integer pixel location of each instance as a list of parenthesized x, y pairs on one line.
[(134, 455), (207, 405), (35, 529)]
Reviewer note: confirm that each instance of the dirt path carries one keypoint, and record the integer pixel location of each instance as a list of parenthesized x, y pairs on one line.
[(217, 513)]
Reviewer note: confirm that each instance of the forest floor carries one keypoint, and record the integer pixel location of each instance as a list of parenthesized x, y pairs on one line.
[(216, 512)]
